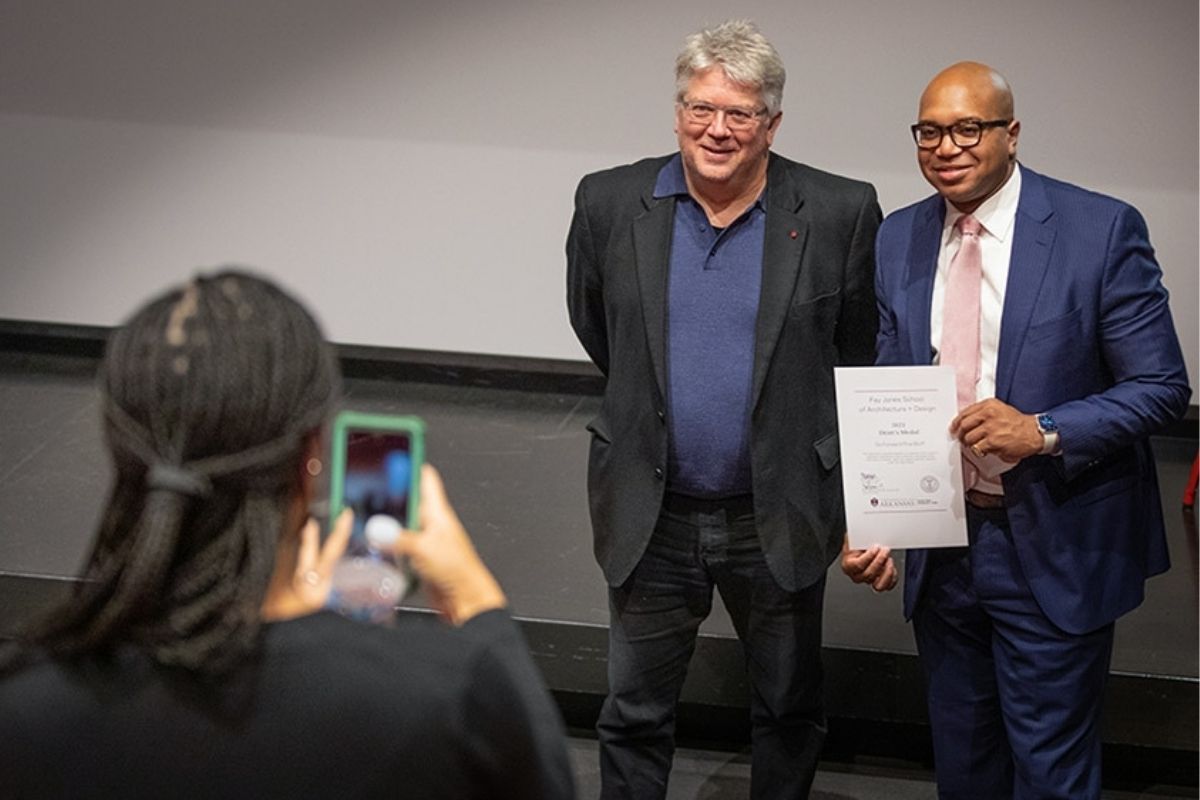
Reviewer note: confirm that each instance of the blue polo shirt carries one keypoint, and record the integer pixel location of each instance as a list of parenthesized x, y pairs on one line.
[(713, 284)]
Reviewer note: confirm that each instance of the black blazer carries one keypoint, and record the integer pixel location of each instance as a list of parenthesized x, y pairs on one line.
[(817, 310)]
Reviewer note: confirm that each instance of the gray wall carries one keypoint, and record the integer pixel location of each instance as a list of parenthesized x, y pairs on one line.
[(408, 167)]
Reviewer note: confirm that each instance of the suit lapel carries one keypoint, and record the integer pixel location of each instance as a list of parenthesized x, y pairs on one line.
[(652, 253), (922, 267), (784, 236), (1033, 235)]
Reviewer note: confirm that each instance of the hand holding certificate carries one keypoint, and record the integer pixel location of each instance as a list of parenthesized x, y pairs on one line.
[(901, 468)]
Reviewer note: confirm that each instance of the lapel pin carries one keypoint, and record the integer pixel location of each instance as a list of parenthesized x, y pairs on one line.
[(793, 234)]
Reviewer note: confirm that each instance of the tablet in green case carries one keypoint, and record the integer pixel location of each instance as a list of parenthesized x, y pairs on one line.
[(376, 469)]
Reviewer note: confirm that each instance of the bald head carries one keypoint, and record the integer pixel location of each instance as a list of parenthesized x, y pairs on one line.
[(984, 85), (966, 170)]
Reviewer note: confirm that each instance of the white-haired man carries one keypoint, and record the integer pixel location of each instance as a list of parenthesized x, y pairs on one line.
[(716, 289)]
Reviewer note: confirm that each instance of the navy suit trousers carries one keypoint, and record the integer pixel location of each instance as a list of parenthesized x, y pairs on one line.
[(1014, 701)]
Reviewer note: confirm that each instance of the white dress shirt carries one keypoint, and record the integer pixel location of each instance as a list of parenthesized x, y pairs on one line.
[(997, 216)]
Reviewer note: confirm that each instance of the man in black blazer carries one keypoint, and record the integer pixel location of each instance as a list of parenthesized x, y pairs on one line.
[(716, 289)]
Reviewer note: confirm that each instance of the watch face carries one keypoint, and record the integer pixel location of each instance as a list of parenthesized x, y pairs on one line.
[(1046, 423)]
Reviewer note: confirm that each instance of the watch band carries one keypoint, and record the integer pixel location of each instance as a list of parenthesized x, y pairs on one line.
[(1050, 437)]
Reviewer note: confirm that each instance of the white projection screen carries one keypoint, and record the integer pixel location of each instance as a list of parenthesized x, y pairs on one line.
[(408, 167)]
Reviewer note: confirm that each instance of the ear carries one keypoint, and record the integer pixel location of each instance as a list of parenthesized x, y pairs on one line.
[(311, 465), (773, 127), (1014, 130), (305, 485)]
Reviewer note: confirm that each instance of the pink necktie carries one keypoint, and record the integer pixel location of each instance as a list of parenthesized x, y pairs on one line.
[(960, 321)]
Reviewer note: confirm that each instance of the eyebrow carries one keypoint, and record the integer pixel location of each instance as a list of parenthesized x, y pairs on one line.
[(960, 119)]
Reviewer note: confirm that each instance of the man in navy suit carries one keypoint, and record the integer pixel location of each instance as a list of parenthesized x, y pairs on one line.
[(1065, 524)]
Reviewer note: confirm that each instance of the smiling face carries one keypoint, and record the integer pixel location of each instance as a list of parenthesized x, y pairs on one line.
[(968, 176), (718, 161)]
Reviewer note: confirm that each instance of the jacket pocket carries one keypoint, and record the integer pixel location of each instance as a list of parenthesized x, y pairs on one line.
[(1066, 325), (828, 451), (599, 430), (805, 307)]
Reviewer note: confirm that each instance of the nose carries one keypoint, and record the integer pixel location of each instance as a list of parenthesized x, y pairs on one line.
[(946, 147), (717, 128)]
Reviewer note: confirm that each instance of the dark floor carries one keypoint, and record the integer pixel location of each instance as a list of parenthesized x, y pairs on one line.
[(514, 464), (709, 774)]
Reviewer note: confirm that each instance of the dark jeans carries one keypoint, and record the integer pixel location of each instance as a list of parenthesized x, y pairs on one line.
[(655, 616), (1014, 701)]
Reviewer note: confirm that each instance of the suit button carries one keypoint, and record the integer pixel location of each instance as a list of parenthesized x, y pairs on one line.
[(662, 415), (658, 473)]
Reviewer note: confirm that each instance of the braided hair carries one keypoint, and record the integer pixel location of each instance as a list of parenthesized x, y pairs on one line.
[(211, 395)]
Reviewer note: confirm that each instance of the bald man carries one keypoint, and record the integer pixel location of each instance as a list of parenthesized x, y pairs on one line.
[(1076, 364)]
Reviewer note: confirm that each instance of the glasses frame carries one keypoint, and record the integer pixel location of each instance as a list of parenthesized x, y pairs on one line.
[(984, 125), (686, 105)]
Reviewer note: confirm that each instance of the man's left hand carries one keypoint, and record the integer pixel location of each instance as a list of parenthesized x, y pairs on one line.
[(873, 566), (992, 427)]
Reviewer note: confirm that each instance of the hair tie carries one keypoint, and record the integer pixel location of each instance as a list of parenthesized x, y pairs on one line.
[(172, 478)]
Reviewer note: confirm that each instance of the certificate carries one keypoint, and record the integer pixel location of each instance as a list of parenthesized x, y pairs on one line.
[(901, 468)]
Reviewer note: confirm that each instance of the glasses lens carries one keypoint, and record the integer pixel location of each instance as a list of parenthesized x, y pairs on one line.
[(739, 117), (928, 136), (700, 112), (966, 134)]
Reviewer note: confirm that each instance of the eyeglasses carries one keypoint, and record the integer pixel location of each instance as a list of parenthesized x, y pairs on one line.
[(964, 133), (736, 117)]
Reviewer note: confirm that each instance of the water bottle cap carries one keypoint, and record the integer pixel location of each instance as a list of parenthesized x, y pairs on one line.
[(382, 531)]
